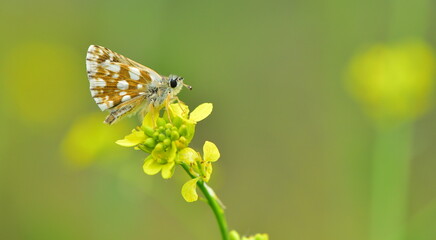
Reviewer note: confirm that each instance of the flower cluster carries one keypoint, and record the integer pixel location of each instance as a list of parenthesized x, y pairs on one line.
[(166, 139), (199, 167)]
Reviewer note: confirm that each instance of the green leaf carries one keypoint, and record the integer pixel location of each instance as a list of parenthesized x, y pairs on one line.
[(201, 112), (189, 192), (211, 152), (151, 166)]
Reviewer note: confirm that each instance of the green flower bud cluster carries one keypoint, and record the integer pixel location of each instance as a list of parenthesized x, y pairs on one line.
[(164, 134)]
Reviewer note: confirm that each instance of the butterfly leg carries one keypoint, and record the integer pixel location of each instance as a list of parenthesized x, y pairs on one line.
[(167, 107), (180, 102), (151, 110)]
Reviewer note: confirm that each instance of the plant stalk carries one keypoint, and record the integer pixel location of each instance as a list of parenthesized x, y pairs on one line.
[(390, 179), (213, 203)]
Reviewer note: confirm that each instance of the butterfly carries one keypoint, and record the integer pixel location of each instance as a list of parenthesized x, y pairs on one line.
[(125, 87)]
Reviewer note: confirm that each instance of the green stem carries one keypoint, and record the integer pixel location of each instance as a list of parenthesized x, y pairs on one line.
[(390, 179), (213, 203)]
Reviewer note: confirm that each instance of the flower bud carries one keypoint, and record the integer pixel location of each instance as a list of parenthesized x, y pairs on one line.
[(174, 135), (161, 122), (177, 121), (161, 137), (150, 142), (167, 142), (159, 147), (168, 132), (156, 135), (183, 130), (182, 140), (148, 131), (179, 145), (161, 129)]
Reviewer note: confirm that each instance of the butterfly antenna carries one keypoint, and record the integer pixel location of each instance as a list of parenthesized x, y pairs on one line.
[(187, 86)]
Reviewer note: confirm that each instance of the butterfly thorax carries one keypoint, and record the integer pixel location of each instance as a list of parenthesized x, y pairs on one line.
[(160, 91)]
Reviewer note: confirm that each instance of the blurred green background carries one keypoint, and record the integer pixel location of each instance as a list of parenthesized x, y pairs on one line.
[(296, 148)]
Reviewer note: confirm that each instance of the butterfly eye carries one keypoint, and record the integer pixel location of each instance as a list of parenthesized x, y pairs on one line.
[(173, 83)]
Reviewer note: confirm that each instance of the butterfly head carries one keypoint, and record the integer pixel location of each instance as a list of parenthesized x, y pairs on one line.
[(176, 83)]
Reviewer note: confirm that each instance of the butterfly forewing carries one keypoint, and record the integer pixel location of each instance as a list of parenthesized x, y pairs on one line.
[(106, 54), (117, 83)]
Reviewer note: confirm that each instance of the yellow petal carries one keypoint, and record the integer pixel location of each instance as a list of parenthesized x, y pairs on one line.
[(151, 167), (151, 117), (210, 151), (179, 109), (188, 155), (133, 139), (207, 171), (168, 170), (189, 192), (172, 154), (201, 112)]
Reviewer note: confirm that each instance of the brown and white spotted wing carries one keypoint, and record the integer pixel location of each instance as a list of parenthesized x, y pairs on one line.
[(117, 84)]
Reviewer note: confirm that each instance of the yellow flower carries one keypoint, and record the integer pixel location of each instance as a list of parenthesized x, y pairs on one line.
[(201, 112), (164, 136), (159, 160), (393, 82), (180, 115), (200, 168)]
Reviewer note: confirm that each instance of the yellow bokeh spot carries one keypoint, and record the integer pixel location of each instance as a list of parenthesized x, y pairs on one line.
[(43, 81), (89, 138), (393, 82)]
